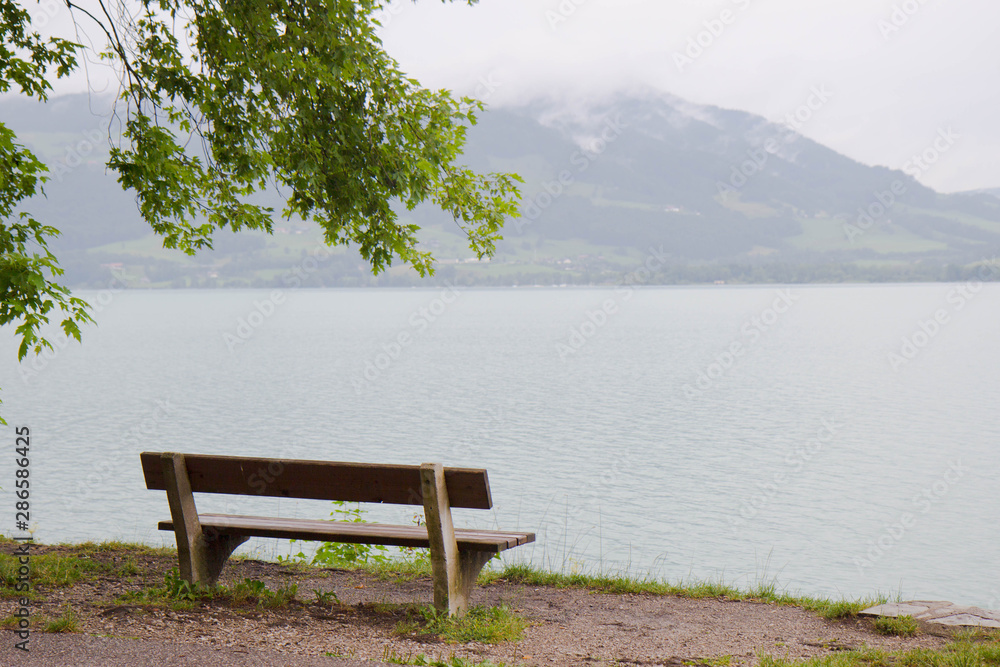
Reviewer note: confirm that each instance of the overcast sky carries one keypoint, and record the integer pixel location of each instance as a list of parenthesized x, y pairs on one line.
[(897, 72)]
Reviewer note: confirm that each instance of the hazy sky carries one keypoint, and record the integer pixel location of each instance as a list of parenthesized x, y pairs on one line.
[(894, 73)]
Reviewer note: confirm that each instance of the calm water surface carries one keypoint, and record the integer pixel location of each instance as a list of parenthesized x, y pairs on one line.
[(843, 440)]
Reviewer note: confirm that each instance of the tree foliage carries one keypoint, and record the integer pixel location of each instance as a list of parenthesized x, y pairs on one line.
[(222, 99)]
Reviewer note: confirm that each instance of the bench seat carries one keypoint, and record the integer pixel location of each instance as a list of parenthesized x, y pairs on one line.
[(468, 539)]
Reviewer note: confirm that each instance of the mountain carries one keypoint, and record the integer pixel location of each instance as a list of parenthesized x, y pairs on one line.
[(720, 185), (722, 194)]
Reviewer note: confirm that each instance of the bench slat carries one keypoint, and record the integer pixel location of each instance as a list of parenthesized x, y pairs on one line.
[(354, 533), (320, 480)]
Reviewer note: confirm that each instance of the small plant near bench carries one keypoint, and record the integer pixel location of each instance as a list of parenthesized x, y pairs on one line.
[(489, 625), (326, 597), (344, 554)]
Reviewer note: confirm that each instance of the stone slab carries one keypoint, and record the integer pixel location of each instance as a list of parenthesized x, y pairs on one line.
[(940, 612)]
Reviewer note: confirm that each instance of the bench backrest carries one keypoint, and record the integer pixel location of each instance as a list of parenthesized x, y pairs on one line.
[(320, 480)]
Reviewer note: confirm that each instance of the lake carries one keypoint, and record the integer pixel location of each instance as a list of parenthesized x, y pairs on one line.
[(840, 440)]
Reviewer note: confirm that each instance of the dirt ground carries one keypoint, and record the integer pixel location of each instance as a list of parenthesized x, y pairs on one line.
[(566, 626)]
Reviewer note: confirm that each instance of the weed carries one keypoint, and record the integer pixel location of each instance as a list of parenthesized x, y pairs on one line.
[(326, 597), (489, 625), (248, 590), (348, 555), (177, 588), (334, 554), (280, 598)]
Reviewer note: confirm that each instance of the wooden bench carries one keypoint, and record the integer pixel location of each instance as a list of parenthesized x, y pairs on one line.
[(205, 541)]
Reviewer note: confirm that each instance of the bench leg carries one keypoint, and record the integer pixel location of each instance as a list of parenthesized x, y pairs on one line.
[(217, 549), (454, 572), (200, 554), (470, 564)]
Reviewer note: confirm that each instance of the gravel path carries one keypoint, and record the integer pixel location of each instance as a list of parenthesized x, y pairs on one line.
[(566, 626), (49, 650)]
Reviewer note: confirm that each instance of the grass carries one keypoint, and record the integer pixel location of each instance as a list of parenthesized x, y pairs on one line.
[(621, 584), (56, 570), (180, 594), (899, 626), (721, 661), (488, 625), (67, 622), (47, 570), (13, 622), (63, 569), (393, 570), (978, 647), (977, 635), (393, 658), (957, 654)]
